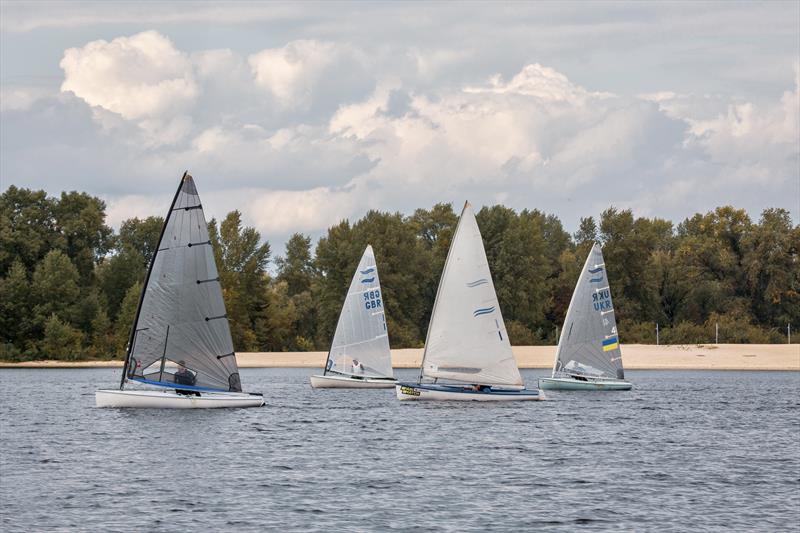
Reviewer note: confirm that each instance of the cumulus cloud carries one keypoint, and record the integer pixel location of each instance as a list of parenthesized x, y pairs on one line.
[(303, 135), (305, 71), (142, 76)]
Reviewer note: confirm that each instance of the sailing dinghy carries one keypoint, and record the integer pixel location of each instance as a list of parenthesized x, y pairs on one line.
[(359, 357), (588, 355), (181, 340), (467, 353)]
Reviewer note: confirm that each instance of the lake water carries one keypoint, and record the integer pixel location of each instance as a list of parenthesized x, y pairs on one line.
[(682, 451)]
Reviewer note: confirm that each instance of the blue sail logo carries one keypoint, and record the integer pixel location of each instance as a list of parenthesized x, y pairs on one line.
[(483, 311), (368, 271), (368, 280), (478, 282)]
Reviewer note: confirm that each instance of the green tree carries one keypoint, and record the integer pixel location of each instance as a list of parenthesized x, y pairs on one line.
[(242, 262), (15, 310), (83, 234), (61, 341), (297, 267), (124, 322), (55, 289), (27, 227)]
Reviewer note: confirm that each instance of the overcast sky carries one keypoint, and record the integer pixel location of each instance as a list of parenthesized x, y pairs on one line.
[(303, 114)]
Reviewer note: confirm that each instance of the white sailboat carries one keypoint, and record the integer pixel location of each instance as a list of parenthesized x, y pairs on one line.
[(588, 355), (181, 340), (359, 357), (467, 353)]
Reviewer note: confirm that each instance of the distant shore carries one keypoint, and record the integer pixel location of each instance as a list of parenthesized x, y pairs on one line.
[(635, 357)]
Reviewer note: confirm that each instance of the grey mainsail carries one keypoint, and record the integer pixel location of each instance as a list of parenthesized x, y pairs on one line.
[(589, 345), (181, 319)]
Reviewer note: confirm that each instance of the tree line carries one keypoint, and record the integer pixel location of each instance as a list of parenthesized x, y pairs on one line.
[(70, 284)]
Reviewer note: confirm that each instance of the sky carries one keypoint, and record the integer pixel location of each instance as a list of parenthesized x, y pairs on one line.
[(304, 114)]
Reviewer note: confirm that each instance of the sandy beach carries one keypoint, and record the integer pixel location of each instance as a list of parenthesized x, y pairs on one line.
[(635, 357)]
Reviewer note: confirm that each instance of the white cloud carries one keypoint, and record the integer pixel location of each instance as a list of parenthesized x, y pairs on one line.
[(293, 74), (142, 76)]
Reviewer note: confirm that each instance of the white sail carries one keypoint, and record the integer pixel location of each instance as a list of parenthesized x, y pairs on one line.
[(467, 338), (589, 345), (361, 333)]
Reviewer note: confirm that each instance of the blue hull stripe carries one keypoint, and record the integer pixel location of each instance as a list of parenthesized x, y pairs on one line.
[(462, 390), (176, 385)]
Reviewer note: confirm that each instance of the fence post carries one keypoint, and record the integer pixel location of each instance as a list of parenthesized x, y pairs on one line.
[(716, 332), (656, 333), (788, 334)]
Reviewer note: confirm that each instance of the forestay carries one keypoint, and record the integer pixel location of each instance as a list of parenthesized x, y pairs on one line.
[(181, 317), (589, 345), (361, 332), (467, 339)]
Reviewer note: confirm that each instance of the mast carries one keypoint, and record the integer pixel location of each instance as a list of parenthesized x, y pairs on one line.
[(439, 290), (132, 337)]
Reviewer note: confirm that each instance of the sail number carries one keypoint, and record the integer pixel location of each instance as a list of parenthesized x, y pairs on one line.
[(601, 300), (372, 299), (410, 391)]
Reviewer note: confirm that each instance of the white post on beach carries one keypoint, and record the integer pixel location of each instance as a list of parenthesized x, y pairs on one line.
[(788, 334), (656, 333), (716, 332), (556, 334)]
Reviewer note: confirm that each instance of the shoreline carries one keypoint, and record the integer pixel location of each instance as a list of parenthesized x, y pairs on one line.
[(782, 357)]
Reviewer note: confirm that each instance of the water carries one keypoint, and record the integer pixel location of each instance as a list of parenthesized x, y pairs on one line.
[(683, 450)]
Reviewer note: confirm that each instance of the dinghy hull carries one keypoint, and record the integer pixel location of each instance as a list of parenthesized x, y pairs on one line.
[(170, 399), (344, 382), (591, 385), (417, 391)]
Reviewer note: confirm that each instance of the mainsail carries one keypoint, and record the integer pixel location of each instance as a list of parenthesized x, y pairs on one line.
[(361, 333), (589, 345), (467, 339), (181, 319)]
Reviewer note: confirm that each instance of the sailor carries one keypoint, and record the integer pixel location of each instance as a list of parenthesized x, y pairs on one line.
[(184, 376), (357, 367)]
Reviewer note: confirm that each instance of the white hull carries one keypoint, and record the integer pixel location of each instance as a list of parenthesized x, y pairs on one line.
[(406, 391), (345, 382), (576, 384), (169, 399)]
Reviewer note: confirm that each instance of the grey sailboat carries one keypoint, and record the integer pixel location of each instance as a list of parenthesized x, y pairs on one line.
[(180, 343), (588, 355)]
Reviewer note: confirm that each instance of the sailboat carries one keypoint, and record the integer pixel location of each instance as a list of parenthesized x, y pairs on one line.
[(588, 355), (359, 357), (181, 340), (467, 352)]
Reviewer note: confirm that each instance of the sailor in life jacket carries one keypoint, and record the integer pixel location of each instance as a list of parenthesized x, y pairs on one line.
[(357, 367)]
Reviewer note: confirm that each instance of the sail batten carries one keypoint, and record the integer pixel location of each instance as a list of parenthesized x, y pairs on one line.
[(361, 332), (181, 322), (466, 340), (589, 345)]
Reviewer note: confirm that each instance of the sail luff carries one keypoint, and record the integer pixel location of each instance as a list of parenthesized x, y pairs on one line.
[(439, 290), (572, 302), (132, 336)]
